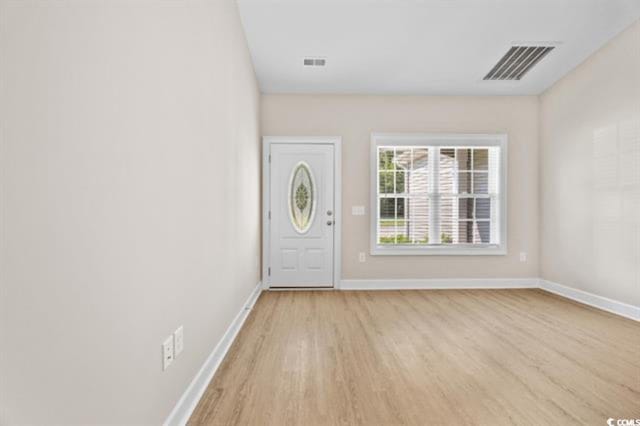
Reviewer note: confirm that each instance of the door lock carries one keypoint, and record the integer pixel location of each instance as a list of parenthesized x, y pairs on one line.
[(329, 212), (330, 222)]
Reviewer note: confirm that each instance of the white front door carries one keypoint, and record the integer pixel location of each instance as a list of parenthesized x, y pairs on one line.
[(302, 215)]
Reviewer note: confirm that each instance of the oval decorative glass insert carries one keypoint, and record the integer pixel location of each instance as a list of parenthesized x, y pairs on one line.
[(302, 197)]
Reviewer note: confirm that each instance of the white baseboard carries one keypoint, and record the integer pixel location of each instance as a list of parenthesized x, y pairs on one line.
[(439, 284), (190, 398), (609, 305), (606, 304)]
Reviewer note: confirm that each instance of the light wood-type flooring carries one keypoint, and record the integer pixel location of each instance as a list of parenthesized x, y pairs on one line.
[(433, 357)]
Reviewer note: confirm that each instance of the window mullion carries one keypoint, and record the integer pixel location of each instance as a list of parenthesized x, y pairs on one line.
[(455, 214), (495, 195), (472, 190), (494, 219), (379, 196), (407, 188), (434, 198), (395, 198)]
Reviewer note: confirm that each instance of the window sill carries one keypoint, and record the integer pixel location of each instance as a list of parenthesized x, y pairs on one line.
[(485, 250)]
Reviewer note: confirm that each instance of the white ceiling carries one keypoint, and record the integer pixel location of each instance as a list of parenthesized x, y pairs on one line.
[(438, 47)]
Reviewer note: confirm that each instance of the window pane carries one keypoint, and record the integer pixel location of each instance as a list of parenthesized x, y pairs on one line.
[(388, 225), (393, 227), (446, 163), (483, 208), (389, 229), (417, 182), (385, 159), (483, 232), (447, 152), (464, 182), (446, 233), (400, 182), (403, 159), (387, 208), (481, 159), (447, 220), (417, 214), (402, 225), (400, 207), (386, 183), (480, 183), (302, 198), (465, 208), (417, 179), (463, 159), (420, 158), (465, 232)]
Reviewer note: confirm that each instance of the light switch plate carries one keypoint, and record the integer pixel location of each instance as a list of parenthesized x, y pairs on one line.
[(178, 340), (523, 256), (167, 352), (357, 210), (362, 257)]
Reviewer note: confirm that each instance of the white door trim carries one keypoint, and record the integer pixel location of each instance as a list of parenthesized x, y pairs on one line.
[(336, 141)]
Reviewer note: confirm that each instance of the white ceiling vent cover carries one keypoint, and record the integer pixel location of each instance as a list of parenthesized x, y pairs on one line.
[(517, 62), (314, 62)]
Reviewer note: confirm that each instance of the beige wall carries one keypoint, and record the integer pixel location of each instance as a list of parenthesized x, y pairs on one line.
[(124, 124), (590, 173), (355, 117)]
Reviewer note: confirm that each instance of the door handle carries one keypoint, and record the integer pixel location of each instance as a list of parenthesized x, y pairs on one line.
[(330, 222), (329, 212)]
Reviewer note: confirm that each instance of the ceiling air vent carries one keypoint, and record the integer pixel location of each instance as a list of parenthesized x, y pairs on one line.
[(517, 62), (314, 62)]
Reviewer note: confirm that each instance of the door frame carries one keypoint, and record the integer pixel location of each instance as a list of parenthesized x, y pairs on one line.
[(336, 141)]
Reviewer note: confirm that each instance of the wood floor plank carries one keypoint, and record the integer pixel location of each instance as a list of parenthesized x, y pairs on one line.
[(496, 357)]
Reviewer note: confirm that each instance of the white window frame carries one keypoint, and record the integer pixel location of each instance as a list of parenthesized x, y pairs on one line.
[(436, 140)]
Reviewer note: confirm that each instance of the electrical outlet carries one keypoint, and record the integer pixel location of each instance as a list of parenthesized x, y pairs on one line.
[(362, 257), (178, 340), (167, 352), (523, 256)]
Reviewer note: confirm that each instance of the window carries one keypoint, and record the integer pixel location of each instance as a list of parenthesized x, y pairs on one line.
[(302, 203), (438, 194)]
